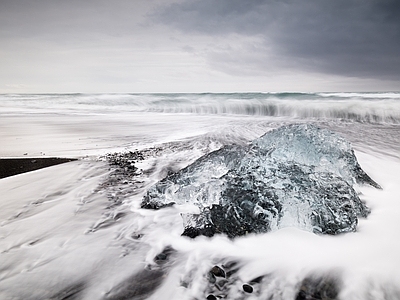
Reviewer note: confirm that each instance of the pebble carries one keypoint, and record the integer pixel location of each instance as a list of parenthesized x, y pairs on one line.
[(217, 271), (247, 288)]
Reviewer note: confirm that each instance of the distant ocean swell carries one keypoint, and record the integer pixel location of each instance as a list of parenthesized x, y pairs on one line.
[(359, 107)]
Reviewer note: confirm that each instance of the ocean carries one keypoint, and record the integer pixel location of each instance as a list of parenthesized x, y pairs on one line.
[(79, 230)]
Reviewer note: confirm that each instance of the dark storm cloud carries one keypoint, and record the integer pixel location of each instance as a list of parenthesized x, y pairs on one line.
[(358, 38)]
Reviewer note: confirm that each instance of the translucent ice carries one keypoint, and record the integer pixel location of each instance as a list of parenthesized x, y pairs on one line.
[(296, 175)]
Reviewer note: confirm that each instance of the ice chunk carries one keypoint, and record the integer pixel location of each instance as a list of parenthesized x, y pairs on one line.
[(296, 175), (308, 145)]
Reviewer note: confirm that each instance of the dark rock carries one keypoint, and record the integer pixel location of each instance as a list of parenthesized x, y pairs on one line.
[(136, 236), (217, 271), (247, 288), (211, 297)]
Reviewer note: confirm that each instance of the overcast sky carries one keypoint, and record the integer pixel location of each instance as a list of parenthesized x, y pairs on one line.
[(97, 46)]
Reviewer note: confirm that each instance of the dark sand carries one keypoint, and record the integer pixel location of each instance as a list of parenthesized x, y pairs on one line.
[(14, 166)]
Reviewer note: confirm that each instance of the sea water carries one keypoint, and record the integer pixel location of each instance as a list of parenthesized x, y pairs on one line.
[(76, 231)]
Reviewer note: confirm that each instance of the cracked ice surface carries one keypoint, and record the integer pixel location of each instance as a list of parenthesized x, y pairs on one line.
[(296, 175)]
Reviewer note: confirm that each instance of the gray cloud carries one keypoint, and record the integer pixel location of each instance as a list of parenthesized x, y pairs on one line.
[(93, 45), (196, 45), (359, 38), (72, 20)]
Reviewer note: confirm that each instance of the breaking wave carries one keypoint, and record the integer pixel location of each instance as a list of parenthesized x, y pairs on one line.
[(359, 107)]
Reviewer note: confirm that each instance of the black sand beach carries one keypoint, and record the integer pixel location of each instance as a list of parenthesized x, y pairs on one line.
[(14, 166)]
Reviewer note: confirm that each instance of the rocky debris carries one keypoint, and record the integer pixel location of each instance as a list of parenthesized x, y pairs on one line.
[(296, 175), (269, 286), (125, 161), (226, 280), (221, 280), (123, 179)]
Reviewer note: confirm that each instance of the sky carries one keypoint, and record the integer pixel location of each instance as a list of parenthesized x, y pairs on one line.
[(155, 46)]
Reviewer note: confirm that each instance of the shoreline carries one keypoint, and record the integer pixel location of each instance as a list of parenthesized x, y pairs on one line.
[(14, 166)]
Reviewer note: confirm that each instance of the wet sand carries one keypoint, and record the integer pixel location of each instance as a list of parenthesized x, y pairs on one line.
[(15, 166)]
